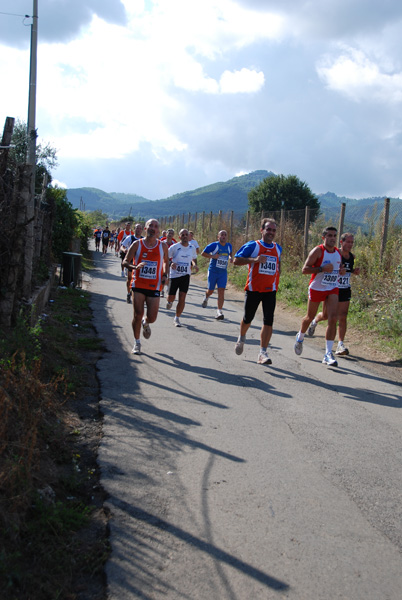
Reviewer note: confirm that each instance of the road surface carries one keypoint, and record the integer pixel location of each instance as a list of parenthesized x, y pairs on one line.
[(232, 480)]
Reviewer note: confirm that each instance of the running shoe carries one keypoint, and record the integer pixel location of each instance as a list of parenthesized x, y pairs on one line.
[(122, 274), (311, 329), (128, 298), (329, 360), (239, 347), (219, 316), (263, 358), (298, 347), (137, 348), (177, 322), (169, 305), (204, 302), (341, 349), (146, 330)]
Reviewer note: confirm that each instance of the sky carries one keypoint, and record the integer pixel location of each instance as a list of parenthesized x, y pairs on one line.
[(157, 97)]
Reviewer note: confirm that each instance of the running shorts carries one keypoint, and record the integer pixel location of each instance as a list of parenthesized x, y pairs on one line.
[(217, 279), (179, 283), (318, 296), (252, 302)]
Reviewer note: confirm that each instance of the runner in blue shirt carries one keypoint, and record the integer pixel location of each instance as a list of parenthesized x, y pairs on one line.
[(220, 254)]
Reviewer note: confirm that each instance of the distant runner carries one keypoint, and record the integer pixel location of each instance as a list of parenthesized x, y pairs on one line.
[(220, 255)]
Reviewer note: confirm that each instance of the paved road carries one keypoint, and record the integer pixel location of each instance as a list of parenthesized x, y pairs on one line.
[(232, 480)]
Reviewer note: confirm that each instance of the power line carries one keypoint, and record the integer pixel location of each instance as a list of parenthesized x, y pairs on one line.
[(14, 15)]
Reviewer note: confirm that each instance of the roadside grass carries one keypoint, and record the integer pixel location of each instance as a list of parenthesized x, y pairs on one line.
[(53, 528)]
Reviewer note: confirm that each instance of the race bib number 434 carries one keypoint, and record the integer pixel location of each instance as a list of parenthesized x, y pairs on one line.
[(269, 267)]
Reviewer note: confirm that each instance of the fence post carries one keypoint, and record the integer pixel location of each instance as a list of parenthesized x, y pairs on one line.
[(203, 222), (247, 225), (231, 227), (189, 221), (210, 220), (306, 226), (341, 222), (282, 226), (195, 222), (220, 220), (385, 228)]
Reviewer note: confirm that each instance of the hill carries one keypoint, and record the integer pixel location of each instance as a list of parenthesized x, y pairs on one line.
[(225, 196)]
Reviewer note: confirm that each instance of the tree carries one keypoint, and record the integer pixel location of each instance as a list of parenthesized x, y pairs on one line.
[(279, 192), (46, 158)]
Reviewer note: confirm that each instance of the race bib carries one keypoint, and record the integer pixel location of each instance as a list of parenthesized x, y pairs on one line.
[(344, 281), (148, 271), (269, 267), (182, 268), (222, 262), (330, 279)]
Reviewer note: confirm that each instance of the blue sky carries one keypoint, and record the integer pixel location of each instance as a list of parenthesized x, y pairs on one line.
[(159, 97)]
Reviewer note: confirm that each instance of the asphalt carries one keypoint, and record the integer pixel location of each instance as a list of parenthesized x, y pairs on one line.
[(228, 479)]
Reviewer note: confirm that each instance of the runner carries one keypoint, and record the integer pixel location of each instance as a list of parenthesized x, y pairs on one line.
[(345, 294), (125, 245), (105, 239), (150, 266), (219, 253), (324, 264), (97, 236), (193, 242), (182, 256), (263, 258), (169, 240), (120, 239), (112, 239)]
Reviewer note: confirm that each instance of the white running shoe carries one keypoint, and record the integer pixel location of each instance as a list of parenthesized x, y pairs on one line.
[(137, 348), (146, 330), (169, 305), (298, 347), (239, 347), (219, 316), (122, 274), (329, 360), (177, 322), (311, 329), (263, 358), (341, 349), (204, 302)]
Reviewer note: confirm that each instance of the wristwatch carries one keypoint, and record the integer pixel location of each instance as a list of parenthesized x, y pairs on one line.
[(320, 269)]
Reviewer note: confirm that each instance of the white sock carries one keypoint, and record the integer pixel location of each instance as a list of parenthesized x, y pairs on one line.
[(300, 336), (329, 344)]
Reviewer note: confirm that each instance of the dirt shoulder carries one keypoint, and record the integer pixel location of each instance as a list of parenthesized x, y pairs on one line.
[(365, 347)]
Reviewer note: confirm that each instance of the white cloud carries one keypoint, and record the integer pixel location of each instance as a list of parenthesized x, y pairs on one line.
[(356, 76), (243, 81)]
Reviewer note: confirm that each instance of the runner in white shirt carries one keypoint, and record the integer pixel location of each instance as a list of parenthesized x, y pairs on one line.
[(193, 242), (182, 256)]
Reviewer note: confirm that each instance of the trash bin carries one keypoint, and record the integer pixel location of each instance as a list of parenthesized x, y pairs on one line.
[(71, 269)]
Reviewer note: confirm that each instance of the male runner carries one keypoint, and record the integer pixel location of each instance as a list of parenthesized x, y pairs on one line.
[(193, 242), (219, 253), (263, 259), (120, 239), (105, 239), (124, 246), (324, 264), (345, 294), (182, 256), (150, 266), (97, 236)]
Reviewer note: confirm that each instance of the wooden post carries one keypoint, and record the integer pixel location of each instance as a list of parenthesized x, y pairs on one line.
[(189, 221), (195, 223), (247, 225), (210, 220), (220, 220), (203, 221), (231, 227), (282, 231), (385, 228), (341, 222), (5, 143), (306, 228)]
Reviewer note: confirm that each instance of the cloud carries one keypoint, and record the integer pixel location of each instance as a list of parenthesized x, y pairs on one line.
[(359, 78), (59, 20), (243, 81)]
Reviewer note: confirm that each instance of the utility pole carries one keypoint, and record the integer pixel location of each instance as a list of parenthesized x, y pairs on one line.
[(31, 126)]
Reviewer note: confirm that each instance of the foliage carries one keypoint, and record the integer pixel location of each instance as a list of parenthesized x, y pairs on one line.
[(65, 221), (46, 158), (283, 192)]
